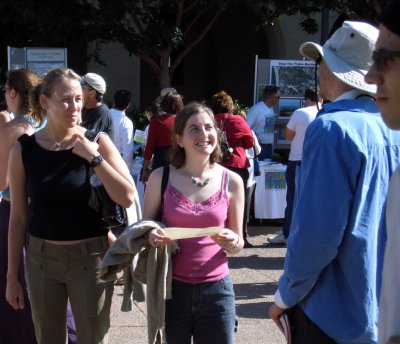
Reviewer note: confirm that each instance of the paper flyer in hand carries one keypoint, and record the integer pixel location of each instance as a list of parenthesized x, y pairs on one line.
[(175, 233)]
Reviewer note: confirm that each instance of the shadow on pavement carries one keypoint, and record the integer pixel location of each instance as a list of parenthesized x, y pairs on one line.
[(257, 310), (256, 262), (248, 291)]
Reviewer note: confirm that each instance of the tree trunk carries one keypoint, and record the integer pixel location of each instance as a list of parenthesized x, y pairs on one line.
[(165, 77)]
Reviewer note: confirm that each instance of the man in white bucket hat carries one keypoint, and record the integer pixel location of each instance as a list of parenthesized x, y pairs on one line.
[(332, 272)]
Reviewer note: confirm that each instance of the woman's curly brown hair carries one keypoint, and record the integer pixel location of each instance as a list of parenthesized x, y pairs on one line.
[(221, 102)]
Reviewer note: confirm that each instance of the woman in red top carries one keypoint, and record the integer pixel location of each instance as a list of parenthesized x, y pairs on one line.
[(159, 139), (239, 137)]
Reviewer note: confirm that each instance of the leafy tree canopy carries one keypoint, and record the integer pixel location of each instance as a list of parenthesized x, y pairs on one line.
[(160, 32), (272, 10)]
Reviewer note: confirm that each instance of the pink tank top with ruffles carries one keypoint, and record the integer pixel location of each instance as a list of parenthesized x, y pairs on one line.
[(199, 259)]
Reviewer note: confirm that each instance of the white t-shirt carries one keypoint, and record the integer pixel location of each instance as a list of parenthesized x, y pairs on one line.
[(389, 305), (261, 119), (123, 135), (298, 123)]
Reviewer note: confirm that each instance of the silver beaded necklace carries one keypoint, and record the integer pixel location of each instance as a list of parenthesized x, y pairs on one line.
[(199, 184)]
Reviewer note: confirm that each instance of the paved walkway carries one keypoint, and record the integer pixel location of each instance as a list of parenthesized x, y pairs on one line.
[(255, 272)]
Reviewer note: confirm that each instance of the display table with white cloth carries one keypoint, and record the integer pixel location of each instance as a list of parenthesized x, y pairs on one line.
[(270, 194)]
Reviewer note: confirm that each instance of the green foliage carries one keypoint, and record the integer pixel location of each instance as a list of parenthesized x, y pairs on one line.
[(272, 10), (238, 105), (160, 32)]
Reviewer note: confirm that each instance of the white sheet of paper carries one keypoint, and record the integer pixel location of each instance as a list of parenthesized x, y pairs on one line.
[(175, 233)]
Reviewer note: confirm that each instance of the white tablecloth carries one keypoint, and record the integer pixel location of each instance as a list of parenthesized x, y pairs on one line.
[(270, 194)]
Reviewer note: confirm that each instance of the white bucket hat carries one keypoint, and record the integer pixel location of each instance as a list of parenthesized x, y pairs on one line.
[(348, 53)]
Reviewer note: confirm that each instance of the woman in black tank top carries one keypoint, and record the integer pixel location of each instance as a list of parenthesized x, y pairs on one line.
[(66, 241)]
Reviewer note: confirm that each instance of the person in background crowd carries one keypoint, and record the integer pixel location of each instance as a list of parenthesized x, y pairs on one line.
[(151, 112), (203, 301), (254, 170), (295, 131), (261, 119), (66, 240), (159, 139), (385, 73), (16, 326), (239, 137), (95, 114), (5, 116), (332, 273), (122, 126)]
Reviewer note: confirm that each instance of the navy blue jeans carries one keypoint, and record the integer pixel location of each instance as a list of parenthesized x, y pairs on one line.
[(204, 311), (290, 192)]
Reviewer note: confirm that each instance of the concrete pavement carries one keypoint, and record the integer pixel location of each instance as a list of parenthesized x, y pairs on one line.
[(255, 272)]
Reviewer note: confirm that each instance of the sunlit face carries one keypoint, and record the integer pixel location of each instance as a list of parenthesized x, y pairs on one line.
[(199, 135), (65, 104), (385, 74)]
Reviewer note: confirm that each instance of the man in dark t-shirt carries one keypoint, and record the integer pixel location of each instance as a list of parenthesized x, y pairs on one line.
[(95, 115)]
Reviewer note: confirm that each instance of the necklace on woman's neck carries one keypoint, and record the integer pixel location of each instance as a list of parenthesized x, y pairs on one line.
[(199, 184), (57, 144)]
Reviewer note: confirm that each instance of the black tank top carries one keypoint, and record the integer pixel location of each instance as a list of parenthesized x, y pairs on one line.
[(59, 190)]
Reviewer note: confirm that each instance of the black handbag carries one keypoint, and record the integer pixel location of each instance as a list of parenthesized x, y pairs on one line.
[(112, 214)]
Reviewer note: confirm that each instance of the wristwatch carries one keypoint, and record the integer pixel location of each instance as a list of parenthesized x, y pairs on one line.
[(96, 161)]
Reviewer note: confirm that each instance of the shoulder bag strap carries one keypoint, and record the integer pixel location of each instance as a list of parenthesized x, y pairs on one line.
[(93, 135), (164, 182), (223, 123)]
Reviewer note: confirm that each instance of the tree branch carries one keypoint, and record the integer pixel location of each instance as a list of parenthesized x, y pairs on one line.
[(189, 8), (206, 29), (197, 17), (153, 64), (137, 21)]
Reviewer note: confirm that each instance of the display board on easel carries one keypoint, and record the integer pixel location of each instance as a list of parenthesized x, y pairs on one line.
[(293, 77), (39, 60)]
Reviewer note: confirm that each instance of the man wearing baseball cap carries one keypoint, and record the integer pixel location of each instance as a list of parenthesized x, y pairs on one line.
[(385, 74), (95, 114), (332, 274)]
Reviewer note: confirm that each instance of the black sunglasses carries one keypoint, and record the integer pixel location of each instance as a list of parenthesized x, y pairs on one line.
[(380, 57)]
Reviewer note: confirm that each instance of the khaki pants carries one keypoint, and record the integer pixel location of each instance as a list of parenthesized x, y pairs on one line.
[(55, 273)]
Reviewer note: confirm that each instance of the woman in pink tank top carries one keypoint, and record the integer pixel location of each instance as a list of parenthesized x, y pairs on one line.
[(200, 193)]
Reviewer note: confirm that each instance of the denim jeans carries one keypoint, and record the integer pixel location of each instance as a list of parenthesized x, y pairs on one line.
[(55, 273), (290, 192), (204, 311)]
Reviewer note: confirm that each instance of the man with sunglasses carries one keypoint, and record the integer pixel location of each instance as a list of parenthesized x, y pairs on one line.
[(385, 73), (95, 114), (332, 272)]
